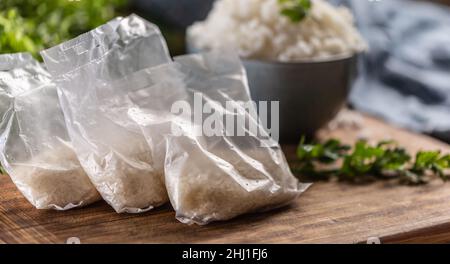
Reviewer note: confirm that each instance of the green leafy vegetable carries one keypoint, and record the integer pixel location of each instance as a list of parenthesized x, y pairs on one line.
[(295, 10), (365, 162), (31, 25)]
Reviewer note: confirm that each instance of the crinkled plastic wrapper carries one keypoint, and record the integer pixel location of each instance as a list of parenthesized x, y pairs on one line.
[(108, 143), (14, 61), (35, 148), (12, 65), (220, 176)]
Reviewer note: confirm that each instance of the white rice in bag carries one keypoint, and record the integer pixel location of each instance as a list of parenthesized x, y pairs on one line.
[(109, 145), (217, 177), (35, 148)]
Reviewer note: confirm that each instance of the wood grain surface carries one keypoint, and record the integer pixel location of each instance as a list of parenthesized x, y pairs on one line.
[(327, 213)]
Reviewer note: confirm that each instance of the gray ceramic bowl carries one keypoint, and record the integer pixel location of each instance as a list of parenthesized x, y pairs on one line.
[(310, 93)]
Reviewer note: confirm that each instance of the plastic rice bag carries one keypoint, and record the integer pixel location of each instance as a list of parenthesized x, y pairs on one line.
[(16, 60), (83, 49), (12, 65), (220, 175), (35, 149), (109, 145), (146, 97)]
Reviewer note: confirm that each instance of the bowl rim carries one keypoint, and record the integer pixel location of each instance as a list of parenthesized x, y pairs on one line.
[(327, 59), (190, 48)]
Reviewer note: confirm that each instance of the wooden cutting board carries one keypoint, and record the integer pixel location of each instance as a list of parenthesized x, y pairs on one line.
[(327, 213)]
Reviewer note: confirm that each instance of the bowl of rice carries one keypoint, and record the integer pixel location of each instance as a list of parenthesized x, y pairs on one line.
[(301, 53)]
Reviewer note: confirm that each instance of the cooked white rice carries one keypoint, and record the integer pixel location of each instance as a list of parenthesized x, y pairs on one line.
[(257, 30)]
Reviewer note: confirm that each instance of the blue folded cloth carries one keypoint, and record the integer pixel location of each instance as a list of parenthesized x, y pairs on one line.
[(405, 76)]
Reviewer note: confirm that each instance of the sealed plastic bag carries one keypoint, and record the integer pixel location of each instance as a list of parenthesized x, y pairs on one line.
[(217, 174), (35, 149), (17, 60), (109, 145), (12, 65), (146, 97)]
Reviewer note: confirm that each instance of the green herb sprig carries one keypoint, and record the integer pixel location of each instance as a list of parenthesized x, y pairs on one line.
[(364, 162), (295, 10)]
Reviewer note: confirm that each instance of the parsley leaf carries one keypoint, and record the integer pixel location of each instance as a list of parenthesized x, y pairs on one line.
[(295, 10)]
